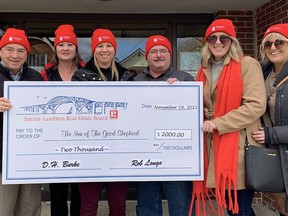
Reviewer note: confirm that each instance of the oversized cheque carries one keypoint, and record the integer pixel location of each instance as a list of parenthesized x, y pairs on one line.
[(94, 131)]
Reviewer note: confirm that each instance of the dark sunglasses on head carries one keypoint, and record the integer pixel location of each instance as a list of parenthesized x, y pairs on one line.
[(277, 43), (224, 39)]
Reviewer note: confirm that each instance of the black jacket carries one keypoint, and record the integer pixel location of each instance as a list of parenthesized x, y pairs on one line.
[(278, 134), (90, 73), (50, 73), (171, 73), (28, 74)]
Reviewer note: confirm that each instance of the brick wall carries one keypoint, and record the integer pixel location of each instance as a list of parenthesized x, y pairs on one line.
[(250, 28), (243, 21), (275, 11)]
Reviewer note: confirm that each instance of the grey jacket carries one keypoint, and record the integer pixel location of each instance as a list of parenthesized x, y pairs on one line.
[(171, 73)]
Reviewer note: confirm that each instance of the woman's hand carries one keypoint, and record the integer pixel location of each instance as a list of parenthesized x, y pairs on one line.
[(259, 136), (5, 104), (208, 126)]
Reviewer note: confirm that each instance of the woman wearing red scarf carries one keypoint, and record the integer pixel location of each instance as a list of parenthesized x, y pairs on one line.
[(234, 100)]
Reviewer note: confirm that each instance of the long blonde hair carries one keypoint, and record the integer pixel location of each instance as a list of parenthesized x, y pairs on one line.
[(235, 52), (114, 71)]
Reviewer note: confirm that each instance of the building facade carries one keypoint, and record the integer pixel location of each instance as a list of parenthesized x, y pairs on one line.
[(184, 30)]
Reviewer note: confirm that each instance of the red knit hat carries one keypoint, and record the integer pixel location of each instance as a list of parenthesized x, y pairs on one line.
[(278, 28), (221, 25), (13, 35), (158, 40), (101, 36), (65, 33)]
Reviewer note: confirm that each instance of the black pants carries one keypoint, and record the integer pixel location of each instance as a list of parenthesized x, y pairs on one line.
[(245, 198), (59, 198)]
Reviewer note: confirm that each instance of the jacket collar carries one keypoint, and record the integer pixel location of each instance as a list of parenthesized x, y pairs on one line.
[(6, 71), (282, 74), (165, 74)]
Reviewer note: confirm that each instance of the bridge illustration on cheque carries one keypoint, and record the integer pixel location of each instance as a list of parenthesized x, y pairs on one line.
[(73, 105)]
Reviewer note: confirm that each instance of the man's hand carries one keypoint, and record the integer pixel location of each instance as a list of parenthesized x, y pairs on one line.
[(5, 104), (172, 80)]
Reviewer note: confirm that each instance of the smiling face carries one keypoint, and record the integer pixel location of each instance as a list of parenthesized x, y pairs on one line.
[(277, 51), (104, 54), (66, 51), (219, 44), (13, 56), (159, 59)]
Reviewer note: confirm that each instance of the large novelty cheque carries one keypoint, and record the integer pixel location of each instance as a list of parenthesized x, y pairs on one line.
[(98, 131)]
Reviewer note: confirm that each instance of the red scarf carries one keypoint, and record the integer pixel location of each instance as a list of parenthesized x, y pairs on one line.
[(229, 95)]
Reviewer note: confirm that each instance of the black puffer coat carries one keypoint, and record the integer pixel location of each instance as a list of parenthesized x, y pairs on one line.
[(28, 74), (90, 73)]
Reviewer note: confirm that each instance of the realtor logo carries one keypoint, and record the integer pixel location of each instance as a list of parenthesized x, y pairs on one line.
[(113, 114)]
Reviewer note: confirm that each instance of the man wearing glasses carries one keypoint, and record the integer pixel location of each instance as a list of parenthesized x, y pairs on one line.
[(178, 193)]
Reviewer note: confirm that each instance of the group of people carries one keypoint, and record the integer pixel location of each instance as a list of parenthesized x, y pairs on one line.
[(235, 93)]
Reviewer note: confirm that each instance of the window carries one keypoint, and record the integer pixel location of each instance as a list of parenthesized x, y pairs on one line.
[(190, 40)]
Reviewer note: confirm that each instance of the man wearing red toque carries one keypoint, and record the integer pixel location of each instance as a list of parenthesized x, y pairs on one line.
[(178, 193), (16, 200)]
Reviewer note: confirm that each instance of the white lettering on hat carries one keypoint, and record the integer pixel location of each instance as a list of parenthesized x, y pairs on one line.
[(158, 39), (273, 29), (218, 27), (99, 39), (60, 38), (15, 38), (65, 37), (105, 37)]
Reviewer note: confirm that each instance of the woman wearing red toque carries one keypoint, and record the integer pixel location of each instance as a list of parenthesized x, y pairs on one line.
[(274, 56), (66, 62), (234, 100), (102, 67)]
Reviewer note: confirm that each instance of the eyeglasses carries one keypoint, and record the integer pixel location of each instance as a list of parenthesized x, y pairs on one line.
[(224, 39), (277, 43), (161, 51)]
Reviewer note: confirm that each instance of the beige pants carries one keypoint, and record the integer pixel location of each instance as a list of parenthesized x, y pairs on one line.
[(20, 200), (279, 202)]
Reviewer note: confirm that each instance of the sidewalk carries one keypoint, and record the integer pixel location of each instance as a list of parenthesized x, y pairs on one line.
[(130, 209)]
